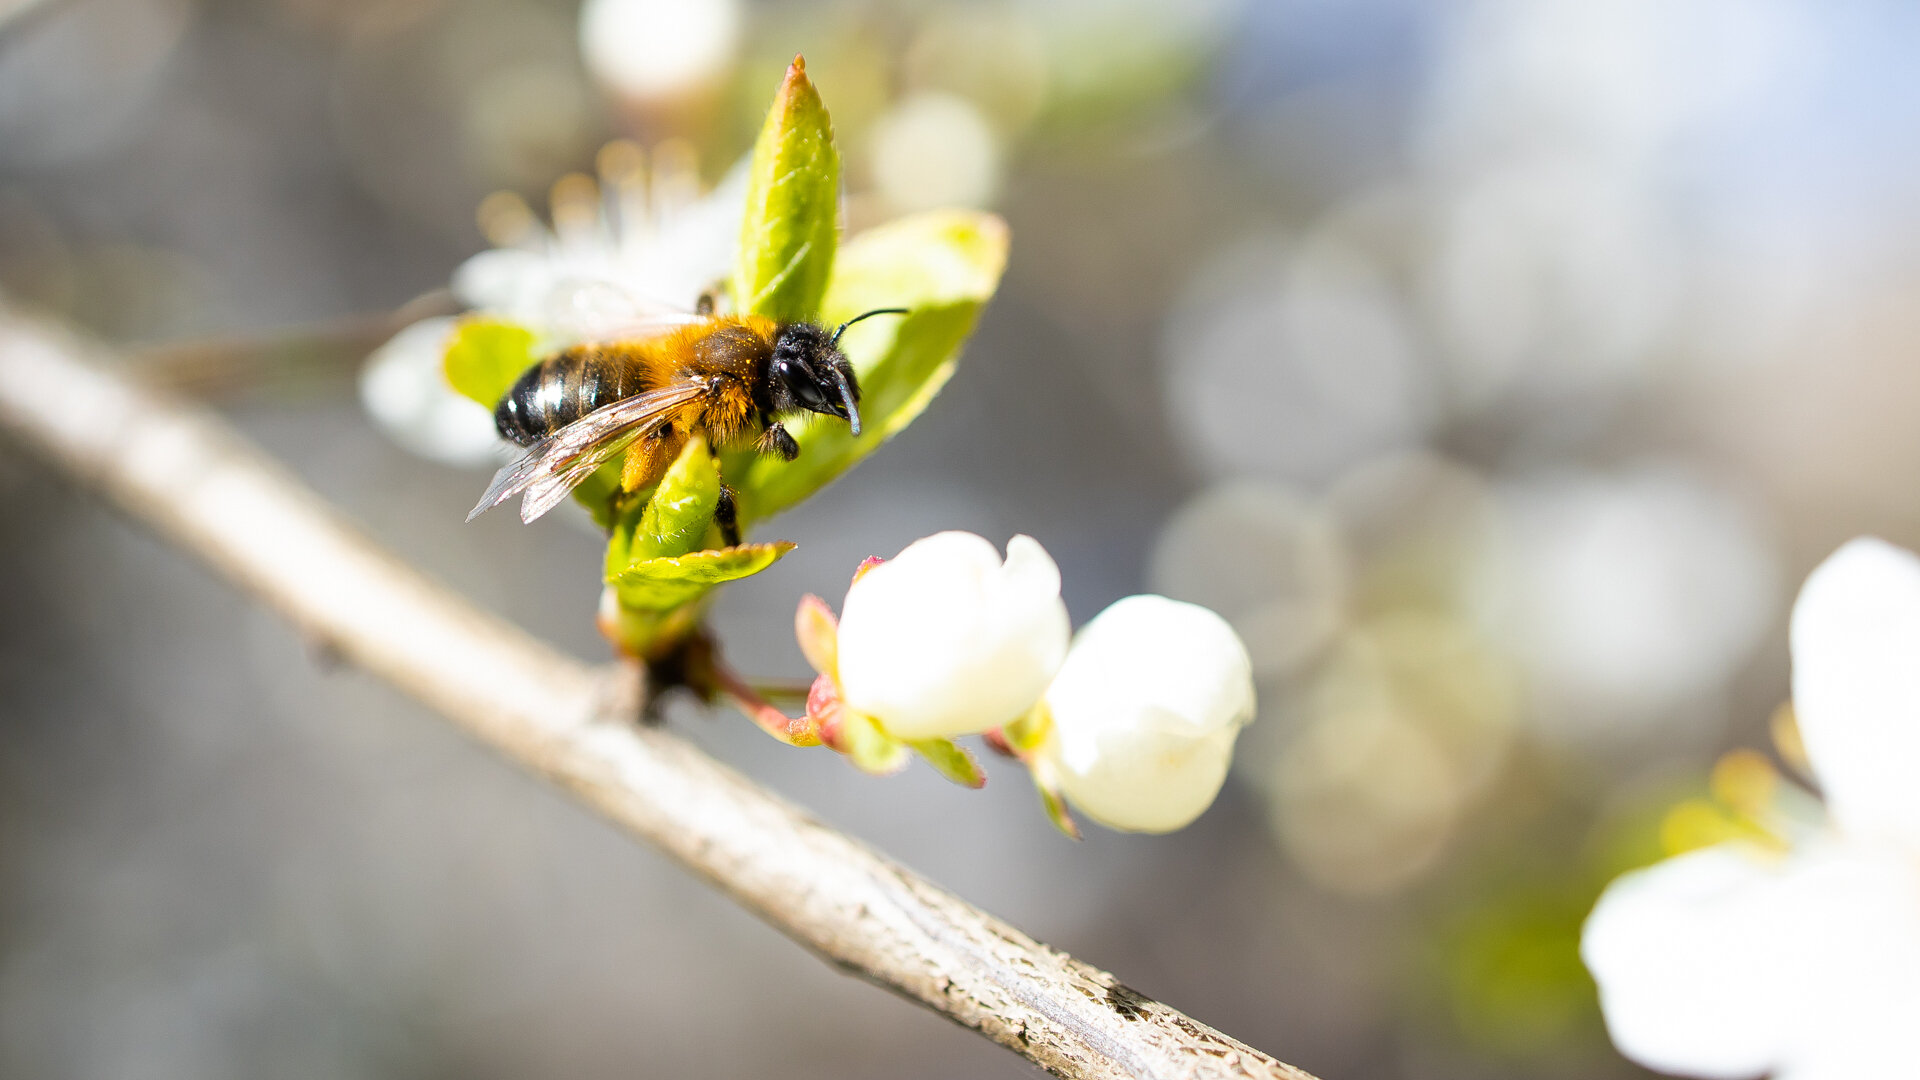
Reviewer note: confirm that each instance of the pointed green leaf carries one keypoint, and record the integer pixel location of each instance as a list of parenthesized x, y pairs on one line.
[(1055, 806), (486, 356), (951, 761), (670, 581), (925, 259), (1051, 800), (678, 516), (942, 266), (791, 226), (675, 519)]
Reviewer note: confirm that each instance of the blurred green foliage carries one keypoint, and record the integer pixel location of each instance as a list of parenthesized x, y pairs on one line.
[(486, 356)]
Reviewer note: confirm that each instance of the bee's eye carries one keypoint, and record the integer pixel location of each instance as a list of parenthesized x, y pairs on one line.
[(800, 382), (808, 392)]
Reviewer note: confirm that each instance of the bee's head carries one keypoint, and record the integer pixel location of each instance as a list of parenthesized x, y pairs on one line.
[(808, 371)]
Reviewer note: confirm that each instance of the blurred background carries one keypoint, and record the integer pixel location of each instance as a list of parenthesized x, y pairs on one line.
[(1499, 367)]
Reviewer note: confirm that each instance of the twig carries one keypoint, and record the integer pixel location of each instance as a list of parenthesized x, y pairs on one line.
[(231, 366), (189, 476)]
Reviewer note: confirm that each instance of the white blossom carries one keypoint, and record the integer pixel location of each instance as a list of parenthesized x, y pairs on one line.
[(945, 639), (620, 256), (614, 257), (405, 391), (1740, 961), (932, 150), (1145, 712), (659, 50)]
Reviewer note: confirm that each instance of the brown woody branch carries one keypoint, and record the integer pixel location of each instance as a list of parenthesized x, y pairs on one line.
[(186, 474)]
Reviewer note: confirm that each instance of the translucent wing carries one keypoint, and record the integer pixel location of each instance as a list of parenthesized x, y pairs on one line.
[(558, 463), (609, 311), (638, 327), (635, 328)]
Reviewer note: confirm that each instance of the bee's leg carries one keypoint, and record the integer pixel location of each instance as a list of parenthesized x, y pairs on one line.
[(776, 440), (649, 458), (726, 514)]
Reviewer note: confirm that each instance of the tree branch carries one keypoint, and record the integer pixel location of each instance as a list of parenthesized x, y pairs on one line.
[(232, 365), (189, 476)]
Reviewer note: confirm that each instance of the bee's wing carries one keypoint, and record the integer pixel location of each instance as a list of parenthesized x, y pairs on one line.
[(606, 311), (646, 325), (558, 463)]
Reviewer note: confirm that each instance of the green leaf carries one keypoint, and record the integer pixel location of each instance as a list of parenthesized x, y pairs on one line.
[(600, 493), (1052, 801), (791, 226), (678, 516), (675, 519), (925, 259), (943, 266), (485, 358), (669, 581), (1055, 806), (869, 748), (951, 761)]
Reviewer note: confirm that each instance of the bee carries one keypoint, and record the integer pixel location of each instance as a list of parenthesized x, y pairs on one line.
[(731, 378)]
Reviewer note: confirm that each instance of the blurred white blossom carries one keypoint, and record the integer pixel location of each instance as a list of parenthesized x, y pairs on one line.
[(404, 389), (1145, 711), (1631, 597), (935, 149), (621, 254), (1737, 960), (1620, 81), (1396, 735), (1266, 557), (659, 49), (1549, 279), (639, 244), (945, 639), (1309, 344)]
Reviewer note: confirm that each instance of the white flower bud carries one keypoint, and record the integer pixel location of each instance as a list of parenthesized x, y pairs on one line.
[(1145, 712), (945, 640)]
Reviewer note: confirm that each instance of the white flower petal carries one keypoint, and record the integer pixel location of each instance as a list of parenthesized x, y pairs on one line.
[(947, 640), (1880, 1045), (612, 279), (1145, 712), (1680, 953), (496, 280), (404, 389), (1727, 963), (1856, 686), (1852, 914)]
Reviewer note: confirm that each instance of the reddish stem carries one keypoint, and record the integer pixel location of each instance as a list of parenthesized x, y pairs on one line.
[(996, 741), (792, 730)]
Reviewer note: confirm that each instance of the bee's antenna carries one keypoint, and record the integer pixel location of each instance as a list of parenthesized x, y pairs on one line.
[(845, 387), (857, 318)]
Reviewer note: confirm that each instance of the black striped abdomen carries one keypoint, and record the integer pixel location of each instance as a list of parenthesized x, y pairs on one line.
[(563, 388)]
